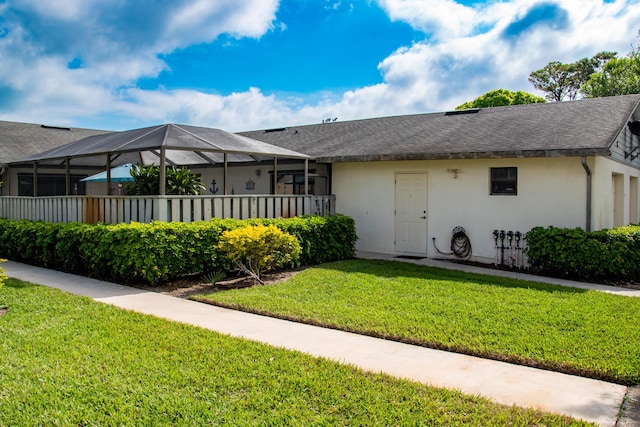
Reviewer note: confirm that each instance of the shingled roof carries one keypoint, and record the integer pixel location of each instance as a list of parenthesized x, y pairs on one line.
[(578, 128), (18, 140)]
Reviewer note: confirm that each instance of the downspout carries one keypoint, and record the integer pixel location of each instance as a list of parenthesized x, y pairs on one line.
[(589, 186)]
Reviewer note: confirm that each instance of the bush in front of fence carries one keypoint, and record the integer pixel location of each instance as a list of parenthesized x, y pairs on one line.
[(257, 248), (574, 253), (160, 251)]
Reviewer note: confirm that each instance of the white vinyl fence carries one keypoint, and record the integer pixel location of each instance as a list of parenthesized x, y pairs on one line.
[(118, 209)]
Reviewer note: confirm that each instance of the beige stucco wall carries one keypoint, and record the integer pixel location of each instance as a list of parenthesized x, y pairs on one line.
[(551, 191), (240, 176), (615, 193)]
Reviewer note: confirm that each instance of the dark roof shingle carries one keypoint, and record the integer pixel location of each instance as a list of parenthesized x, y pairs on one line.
[(18, 140), (584, 127)]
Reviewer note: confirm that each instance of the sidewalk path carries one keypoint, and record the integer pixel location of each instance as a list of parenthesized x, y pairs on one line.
[(582, 398)]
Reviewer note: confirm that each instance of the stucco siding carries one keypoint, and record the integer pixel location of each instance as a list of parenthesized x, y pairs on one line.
[(612, 187), (551, 191)]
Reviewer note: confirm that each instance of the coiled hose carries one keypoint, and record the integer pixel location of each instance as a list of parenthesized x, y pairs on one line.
[(460, 244)]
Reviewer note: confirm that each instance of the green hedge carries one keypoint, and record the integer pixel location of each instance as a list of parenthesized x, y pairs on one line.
[(574, 253), (160, 251)]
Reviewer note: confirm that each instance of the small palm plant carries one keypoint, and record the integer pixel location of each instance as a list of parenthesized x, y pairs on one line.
[(146, 180), (215, 276), (182, 181), (179, 181)]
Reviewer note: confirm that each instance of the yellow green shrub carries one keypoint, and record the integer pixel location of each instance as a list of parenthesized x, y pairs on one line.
[(258, 248), (158, 252), (3, 276)]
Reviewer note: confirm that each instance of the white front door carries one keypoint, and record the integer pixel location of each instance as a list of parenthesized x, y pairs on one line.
[(411, 212)]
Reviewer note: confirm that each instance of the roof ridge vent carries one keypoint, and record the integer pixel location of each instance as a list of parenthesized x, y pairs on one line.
[(460, 112), (275, 130)]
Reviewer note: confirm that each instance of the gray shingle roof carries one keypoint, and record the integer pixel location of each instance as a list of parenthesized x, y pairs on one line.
[(584, 127), (18, 140)]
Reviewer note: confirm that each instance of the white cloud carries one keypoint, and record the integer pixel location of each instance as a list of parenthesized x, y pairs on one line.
[(437, 75), (231, 112), (473, 49), (116, 42), (442, 18), (67, 10), (204, 20)]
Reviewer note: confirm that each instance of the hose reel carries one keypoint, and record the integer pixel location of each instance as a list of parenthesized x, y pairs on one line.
[(460, 243)]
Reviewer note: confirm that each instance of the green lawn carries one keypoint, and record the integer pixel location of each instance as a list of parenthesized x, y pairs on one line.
[(571, 330), (67, 361)]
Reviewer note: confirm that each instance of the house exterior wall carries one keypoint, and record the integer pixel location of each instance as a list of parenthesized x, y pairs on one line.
[(10, 181), (255, 179), (250, 179), (626, 146), (615, 193), (551, 191)]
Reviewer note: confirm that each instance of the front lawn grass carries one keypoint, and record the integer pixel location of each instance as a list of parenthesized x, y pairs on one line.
[(68, 361), (565, 329)]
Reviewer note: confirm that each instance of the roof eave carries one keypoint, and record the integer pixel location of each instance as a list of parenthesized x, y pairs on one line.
[(29, 161), (576, 152)]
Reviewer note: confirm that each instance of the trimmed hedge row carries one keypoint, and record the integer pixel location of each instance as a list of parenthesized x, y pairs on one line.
[(574, 253), (160, 251)]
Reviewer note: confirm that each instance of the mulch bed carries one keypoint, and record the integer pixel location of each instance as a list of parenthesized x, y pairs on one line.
[(189, 286)]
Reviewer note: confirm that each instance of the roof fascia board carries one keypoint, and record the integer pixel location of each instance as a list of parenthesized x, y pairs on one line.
[(246, 153), (470, 155)]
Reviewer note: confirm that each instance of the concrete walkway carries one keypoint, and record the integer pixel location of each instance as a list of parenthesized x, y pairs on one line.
[(582, 398)]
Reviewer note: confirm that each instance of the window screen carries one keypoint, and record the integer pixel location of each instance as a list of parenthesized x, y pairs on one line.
[(504, 181), (50, 185)]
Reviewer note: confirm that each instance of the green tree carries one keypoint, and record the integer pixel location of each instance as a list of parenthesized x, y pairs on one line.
[(619, 76), (559, 81), (501, 97), (554, 79), (179, 181)]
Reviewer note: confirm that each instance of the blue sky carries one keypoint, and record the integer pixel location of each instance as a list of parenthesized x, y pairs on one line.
[(250, 64)]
